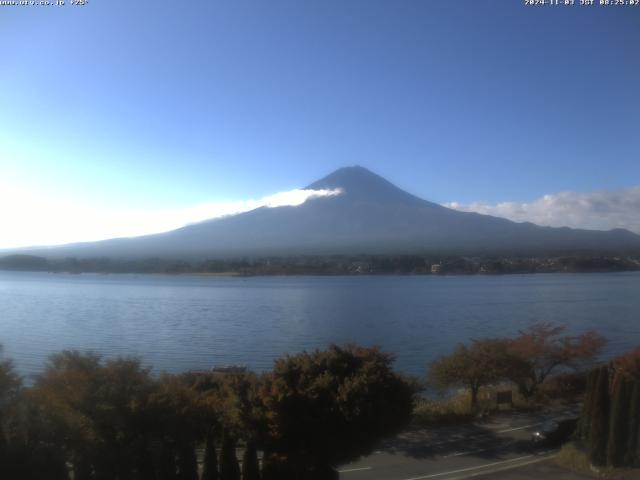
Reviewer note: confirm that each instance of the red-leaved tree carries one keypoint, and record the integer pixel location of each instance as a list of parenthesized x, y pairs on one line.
[(542, 349)]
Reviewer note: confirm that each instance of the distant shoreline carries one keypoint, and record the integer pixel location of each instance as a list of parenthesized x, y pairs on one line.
[(346, 275), (334, 265)]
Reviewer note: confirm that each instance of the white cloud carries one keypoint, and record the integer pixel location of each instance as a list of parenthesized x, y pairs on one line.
[(596, 210), (28, 218)]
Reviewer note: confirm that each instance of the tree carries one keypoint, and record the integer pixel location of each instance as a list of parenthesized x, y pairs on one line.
[(10, 386), (67, 398), (618, 422), (244, 417), (599, 419), (112, 417), (628, 365), (626, 416), (241, 409), (229, 468), (632, 456), (10, 382), (610, 420), (274, 467), (210, 466), (482, 363), (250, 467), (588, 404), (542, 350), (239, 412), (183, 423), (329, 407)]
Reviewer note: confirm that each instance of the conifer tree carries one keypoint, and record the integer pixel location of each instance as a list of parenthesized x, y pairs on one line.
[(275, 467), (632, 456), (268, 470), (229, 468), (167, 463), (145, 468), (587, 409), (599, 422), (618, 426), (187, 462), (210, 467), (250, 468)]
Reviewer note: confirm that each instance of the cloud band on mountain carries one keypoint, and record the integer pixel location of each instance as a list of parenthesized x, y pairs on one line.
[(601, 210), (30, 219)]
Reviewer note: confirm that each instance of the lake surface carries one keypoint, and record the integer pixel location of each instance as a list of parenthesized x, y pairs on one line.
[(177, 323)]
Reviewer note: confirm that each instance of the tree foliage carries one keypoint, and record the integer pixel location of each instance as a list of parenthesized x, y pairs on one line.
[(210, 463), (250, 465), (114, 420), (92, 419), (610, 420), (482, 363), (542, 350), (329, 407), (229, 468), (97, 411), (599, 421)]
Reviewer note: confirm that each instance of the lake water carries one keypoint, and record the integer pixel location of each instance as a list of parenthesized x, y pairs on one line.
[(177, 323)]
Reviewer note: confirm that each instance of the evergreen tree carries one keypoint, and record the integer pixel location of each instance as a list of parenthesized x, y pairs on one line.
[(268, 467), (587, 408), (618, 426), (144, 465), (82, 469), (243, 412), (229, 468), (250, 468), (599, 422), (210, 467), (632, 456), (275, 467), (167, 463), (187, 462)]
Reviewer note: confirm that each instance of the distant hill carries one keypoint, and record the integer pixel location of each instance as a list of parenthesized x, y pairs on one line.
[(370, 216)]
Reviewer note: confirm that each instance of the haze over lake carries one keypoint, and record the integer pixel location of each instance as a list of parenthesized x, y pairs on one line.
[(177, 323)]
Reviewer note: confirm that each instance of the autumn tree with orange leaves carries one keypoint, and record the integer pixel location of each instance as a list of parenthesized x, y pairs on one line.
[(481, 363), (542, 350)]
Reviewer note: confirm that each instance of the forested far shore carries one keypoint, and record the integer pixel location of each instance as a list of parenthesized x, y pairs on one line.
[(332, 265)]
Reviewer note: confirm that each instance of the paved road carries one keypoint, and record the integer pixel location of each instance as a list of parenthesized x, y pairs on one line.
[(447, 453), (541, 470)]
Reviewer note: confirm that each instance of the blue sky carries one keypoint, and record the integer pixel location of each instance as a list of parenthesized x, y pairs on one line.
[(163, 105)]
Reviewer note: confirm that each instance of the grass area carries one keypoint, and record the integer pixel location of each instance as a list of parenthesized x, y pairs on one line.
[(456, 408), (441, 412), (574, 458), (571, 457)]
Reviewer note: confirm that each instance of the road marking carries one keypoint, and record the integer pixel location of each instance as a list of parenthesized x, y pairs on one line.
[(496, 447), (519, 428), (461, 438), (354, 469), (502, 469), (477, 467)]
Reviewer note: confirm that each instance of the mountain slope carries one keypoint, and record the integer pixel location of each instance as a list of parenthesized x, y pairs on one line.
[(371, 215)]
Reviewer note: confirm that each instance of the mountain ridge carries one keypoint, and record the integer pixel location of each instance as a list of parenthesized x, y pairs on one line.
[(370, 215)]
